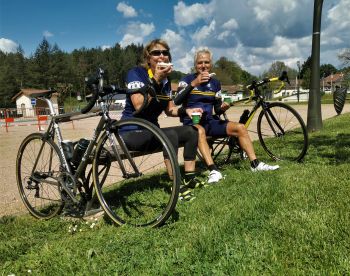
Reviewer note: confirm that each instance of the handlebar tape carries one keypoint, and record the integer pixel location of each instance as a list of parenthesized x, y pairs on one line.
[(92, 101)]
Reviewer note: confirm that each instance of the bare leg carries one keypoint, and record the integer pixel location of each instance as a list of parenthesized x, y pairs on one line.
[(168, 167), (190, 166), (239, 130), (203, 145)]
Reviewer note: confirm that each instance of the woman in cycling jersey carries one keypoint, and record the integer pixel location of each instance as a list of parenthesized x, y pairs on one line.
[(154, 72), (199, 90)]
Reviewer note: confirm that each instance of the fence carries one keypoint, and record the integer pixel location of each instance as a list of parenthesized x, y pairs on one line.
[(10, 117)]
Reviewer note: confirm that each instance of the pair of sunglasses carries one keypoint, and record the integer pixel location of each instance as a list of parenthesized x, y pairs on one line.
[(157, 53)]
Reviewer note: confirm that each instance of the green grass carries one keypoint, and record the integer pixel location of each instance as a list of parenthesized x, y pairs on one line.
[(293, 221)]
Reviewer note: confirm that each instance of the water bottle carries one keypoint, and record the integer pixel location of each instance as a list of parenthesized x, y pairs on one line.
[(79, 151), (68, 147), (244, 117)]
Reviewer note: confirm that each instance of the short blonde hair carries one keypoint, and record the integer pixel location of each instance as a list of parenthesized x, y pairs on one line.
[(200, 51), (147, 50)]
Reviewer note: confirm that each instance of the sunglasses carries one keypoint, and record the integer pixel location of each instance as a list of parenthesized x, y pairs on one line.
[(157, 53)]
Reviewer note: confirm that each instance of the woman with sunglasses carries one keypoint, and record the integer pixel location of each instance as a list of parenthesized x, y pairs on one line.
[(151, 73), (200, 90)]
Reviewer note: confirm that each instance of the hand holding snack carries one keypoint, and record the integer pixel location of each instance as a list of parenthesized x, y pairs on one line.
[(163, 65), (162, 70)]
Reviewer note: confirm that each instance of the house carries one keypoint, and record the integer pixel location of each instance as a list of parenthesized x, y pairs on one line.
[(29, 106), (332, 81)]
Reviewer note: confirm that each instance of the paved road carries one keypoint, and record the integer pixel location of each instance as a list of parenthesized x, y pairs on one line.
[(10, 202)]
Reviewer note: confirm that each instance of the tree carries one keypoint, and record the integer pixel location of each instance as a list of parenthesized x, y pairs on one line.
[(247, 78), (41, 64), (326, 70), (229, 72), (345, 56)]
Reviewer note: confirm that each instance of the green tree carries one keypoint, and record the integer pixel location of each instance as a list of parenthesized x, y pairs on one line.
[(326, 70), (229, 72), (10, 79)]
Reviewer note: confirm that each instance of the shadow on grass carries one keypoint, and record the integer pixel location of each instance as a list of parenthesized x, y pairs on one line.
[(336, 150), (140, 200)]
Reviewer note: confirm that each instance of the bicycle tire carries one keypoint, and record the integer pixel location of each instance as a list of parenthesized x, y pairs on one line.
[(221, 149), (145, 199), (282, 132), (339, 97), (43, 200)]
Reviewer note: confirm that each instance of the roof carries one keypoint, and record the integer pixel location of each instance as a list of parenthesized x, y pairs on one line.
[(29, 92), (338, 77)]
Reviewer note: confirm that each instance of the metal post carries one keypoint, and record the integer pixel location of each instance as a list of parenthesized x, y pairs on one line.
[(331, 82), (314, 115), (298, 78), (323, 83)]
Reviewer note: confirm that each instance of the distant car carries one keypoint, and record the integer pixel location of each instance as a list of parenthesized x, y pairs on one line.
[(119, 100)]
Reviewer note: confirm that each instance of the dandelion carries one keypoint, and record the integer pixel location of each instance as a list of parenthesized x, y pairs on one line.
[(29, 271)]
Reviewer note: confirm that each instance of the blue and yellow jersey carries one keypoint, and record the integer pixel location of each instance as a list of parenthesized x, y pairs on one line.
[(204, 96), (136, 78)]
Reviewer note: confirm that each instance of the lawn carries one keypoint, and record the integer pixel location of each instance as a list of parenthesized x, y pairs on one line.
[(292, 221)]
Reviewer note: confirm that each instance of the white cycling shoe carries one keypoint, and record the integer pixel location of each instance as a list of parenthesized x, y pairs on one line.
[(214, 176), (264, 167)]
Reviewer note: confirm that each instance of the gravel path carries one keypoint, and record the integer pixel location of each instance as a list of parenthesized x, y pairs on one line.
[(10, 202)]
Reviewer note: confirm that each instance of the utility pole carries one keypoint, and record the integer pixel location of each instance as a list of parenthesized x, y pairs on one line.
[(298, 78), (323, 83), (314, 115)]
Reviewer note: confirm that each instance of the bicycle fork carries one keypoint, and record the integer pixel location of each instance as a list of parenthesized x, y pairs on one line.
[(272, 121)]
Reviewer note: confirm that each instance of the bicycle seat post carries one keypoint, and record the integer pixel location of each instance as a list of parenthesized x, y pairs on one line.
[(50, 105)]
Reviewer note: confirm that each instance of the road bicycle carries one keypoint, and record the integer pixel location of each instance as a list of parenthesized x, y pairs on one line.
[(133, 187), (281, 130)]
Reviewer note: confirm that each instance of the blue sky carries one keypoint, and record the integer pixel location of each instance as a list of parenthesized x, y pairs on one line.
[(254, 33)]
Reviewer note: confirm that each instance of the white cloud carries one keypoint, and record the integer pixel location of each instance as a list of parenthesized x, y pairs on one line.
[(176, 41), (224, 35), (253, 33), (280, 48), (265, 9), (131, 39), (185, 63), (203, 33), (47, 34), (188, 15), (8, 46), (136, 33), (126, 10), (230, 24), (105, 47)]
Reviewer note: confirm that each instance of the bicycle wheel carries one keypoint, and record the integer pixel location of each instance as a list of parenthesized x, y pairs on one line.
[(282, 132), (339, 97), (138, 189), (38, 167), (221, 149)]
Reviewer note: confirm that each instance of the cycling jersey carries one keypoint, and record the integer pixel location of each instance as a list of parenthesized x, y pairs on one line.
[(205, 96), (136, 78)]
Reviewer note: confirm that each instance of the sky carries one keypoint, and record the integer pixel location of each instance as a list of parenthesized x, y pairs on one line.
[(253, 33)]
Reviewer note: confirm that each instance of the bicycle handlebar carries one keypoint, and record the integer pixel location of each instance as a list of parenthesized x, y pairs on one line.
[(256, 84), (99, 90)]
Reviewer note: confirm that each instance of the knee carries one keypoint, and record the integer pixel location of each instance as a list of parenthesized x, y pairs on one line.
[(192, 135), (236, 129), (201, 132), (172, 136), (241, 130)]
